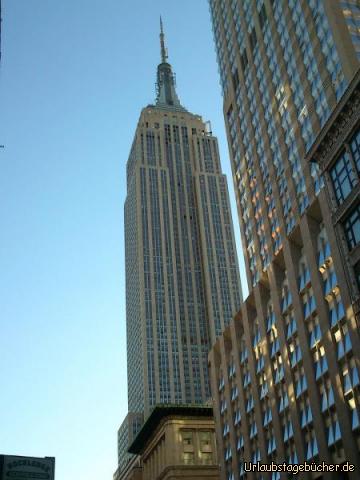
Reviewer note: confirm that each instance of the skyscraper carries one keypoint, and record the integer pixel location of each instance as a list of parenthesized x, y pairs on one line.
[(283, 67), (285, 374), (182, 278)]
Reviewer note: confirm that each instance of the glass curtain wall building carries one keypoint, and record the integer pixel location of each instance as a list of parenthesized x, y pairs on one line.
[(279, 376)]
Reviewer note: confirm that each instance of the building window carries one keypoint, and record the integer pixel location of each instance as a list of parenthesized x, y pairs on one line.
[(228, 453), (352, 228), (187, 437), (262, 16), (244, 60), (343, 177), (188, 458), (205, 441), (357, 273), (355, 149), (206, 458), (253, 39)]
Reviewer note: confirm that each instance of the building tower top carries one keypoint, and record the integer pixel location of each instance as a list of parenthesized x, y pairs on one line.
[(166, 95)]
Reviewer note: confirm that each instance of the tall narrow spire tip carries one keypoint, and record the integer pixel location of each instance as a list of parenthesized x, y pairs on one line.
[(164, 55)]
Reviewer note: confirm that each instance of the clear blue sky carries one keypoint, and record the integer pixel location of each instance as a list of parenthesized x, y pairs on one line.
[(74, 77)]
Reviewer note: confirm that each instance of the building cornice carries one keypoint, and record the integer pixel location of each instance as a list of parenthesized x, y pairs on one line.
[(345, 115), (161, 412)]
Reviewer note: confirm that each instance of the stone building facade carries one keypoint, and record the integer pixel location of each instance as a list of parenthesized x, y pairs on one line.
[(285, 373), (176, 442)]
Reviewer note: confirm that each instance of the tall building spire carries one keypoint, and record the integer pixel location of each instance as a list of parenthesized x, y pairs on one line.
[(162, 43), (165, 86)]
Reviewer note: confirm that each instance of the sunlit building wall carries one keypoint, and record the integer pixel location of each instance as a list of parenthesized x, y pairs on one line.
[(282, 371)]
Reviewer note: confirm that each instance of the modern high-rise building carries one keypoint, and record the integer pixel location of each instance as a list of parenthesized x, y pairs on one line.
[(285, 374), (182, 277)]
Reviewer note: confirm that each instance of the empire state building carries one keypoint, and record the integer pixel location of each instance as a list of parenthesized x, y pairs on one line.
[(182, 277)]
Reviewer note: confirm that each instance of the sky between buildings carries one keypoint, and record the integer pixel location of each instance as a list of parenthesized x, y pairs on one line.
[(73, 79)]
